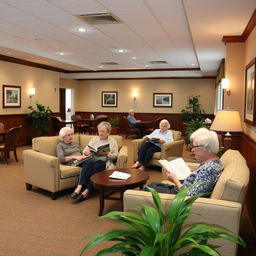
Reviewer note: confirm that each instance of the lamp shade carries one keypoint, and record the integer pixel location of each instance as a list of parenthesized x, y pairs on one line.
[(227, 121)]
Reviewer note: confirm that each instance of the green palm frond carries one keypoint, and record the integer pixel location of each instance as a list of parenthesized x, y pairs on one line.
[(152, 232)]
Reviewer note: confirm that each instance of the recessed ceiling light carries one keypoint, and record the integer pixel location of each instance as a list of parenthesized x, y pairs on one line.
[(146, 66), (134, 58), (193, 64), (61, 53), (120, 50), (82, 30), (100, 66)]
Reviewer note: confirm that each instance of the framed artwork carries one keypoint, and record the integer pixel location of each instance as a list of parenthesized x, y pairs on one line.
[(109, 98), (250, 93), (163, 100), (11, 96)]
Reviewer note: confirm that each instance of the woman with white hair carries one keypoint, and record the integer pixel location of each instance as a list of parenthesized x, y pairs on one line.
[(205, 148), (67, 150), (95, 163), (153, 143)]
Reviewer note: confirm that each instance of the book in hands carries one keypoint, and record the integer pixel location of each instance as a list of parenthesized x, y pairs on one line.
[(120, 175), (77, 163), (97, 151), (153, 139), (177, 166)]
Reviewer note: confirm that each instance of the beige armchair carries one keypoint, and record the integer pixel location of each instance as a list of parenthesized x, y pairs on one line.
[(169, 149), (224, 206), (43, 169)]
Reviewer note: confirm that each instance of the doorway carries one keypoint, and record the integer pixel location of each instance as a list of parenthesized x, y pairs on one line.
[(65, 107)]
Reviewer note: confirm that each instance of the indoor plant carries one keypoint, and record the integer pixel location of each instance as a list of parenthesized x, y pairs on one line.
[(156, 233), (114, 121), (39, 117), (193, 109)]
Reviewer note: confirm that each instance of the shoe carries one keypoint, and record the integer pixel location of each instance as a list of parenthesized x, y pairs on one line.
[(136, 166), (74, 195), (81, 198), (142, 168)]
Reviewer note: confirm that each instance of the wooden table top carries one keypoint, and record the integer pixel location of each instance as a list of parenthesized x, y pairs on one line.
[(101, 180)]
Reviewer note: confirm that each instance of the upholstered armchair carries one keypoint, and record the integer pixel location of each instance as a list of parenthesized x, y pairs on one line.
[(42, 168), (169, 149)]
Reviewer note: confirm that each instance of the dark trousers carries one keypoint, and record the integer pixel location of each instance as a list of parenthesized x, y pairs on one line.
[(89, 168), (146, 152), (162, 188)]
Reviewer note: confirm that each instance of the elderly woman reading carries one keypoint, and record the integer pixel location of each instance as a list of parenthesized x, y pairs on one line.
[(205, 148), (153, 143), (69, 151)]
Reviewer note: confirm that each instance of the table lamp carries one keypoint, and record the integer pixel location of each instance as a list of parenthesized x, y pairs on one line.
[(227, 121)]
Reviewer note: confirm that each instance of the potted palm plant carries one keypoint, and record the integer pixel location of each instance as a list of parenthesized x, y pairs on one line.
[(156, 233), (39, 117)]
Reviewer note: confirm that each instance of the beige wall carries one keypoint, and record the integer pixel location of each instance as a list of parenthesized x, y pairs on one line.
[(46, 84), (235, 73), (88, 98), (250, 53), (238, 55)]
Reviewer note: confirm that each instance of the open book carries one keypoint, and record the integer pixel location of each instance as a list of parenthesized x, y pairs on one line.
[(97, 151), (119, 175), (177, 166), (153, 139), (76, 162)]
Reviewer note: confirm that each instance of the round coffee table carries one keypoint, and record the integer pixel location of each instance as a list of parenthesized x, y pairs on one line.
[(108, 186)]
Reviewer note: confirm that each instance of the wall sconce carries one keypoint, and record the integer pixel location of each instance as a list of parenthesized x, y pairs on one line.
[(225, 85), (31, 92), (134, 95)]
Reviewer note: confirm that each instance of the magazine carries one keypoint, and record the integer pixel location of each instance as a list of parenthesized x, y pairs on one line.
[(77, 163), (177, 166), (120, 175), (97, 151)]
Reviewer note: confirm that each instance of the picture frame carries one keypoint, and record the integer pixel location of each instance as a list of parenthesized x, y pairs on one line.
[(162, 100), (250, 93), (109, 98), (11, 96)]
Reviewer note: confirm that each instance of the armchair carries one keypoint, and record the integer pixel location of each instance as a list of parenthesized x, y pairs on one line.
[(222, 208), (169, 149)]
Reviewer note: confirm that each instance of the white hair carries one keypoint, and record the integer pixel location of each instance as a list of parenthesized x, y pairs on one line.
[(63, 132), (206, 138), (107, 125), (166, 122)]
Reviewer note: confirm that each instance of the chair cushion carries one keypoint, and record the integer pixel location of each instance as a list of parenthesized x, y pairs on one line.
[(47, 145), (234, 179), (69, 171), (176, 135)]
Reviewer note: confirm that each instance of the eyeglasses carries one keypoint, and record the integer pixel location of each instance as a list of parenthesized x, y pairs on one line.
[(198, 146)]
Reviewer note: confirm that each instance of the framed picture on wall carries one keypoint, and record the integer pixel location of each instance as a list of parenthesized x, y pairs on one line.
[(11, 96), (109, 98), (250, 93), (163, 100)]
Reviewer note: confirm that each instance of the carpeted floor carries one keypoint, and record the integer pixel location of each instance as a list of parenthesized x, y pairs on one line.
[(33, 224)]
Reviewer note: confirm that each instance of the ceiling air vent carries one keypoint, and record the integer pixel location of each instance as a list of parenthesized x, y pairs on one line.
[(153, 62), (109, 63), (99, 18)]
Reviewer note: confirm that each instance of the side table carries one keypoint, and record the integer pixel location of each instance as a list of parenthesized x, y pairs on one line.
[(108, 186)]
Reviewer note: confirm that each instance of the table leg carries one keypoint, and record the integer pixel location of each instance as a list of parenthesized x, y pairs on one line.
[(101, 202)]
